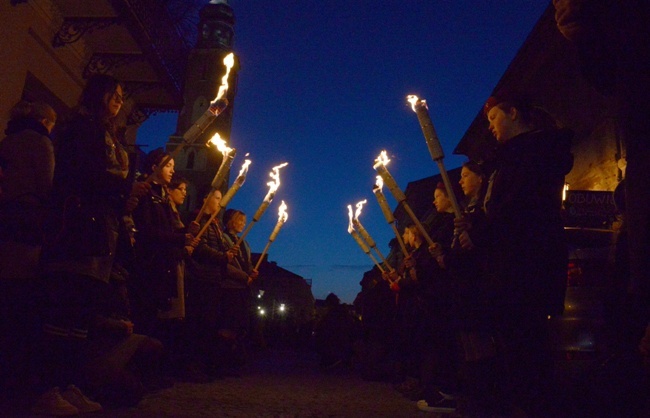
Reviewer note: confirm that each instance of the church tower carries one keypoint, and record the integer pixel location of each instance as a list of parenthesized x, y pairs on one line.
[(197, 162)]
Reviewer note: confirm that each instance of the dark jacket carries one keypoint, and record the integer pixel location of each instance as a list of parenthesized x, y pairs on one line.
[(237, 271), (90, 189), (209, 260), (27, 159), (523, 229), (157, 244)]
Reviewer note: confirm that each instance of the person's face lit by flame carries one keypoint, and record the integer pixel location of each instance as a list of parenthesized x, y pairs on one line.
[(470, 182), (237, 223), (114, 101), (441, 201), (178, 194), (504, 122), (212, 205), (165, 175)]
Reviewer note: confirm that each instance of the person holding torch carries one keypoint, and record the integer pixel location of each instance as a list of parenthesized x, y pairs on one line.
[(235, 292), (159, 247), (437, 340), (523, 237), (208, 268)]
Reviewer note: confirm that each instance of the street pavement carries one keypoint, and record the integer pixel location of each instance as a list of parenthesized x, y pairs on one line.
[(286, 383), (277, 383)]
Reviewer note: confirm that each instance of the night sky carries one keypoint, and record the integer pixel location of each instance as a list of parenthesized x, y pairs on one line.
[(323, 86)]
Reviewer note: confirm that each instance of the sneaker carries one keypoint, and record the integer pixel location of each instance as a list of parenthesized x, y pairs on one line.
[(441, 406), (52, 403), (74, 395)]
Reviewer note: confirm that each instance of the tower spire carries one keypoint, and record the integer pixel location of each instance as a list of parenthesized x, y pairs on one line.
[(205, 68)]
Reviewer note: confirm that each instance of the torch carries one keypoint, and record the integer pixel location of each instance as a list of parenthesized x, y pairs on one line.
[(239, 181), (217, 106), (379, 194), (365, 235), (433, 143), (282, 218), (360, 241), (226, 162), (380, 166), (273, 187)]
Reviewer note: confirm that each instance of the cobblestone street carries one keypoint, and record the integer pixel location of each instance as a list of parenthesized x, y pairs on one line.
[(277, 383)]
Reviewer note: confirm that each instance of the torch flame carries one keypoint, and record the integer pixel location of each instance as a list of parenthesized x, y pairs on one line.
[(414, 100), (244, 168), (220, 143), (359, 208), (350, 225), (228, 61), (282, 212), (275, 183), (382, 159), (379, 183)]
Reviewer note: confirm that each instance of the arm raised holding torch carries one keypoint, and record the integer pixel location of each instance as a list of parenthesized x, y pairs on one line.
[(380, 167), (433, 143), (282, 218), (273, 187)]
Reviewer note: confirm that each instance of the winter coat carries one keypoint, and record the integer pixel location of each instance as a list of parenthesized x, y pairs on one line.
[(523, 231), (157, 245), (27, 167), (90, 189)]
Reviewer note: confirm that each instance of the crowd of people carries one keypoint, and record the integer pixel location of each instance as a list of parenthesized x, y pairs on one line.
[(93, 264), (93, 261), (466, 317)]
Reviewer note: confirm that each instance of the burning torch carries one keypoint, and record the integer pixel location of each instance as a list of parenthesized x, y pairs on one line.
[(380, 167), (379, 194), (282, 218), (433, 143), (365, 235), (273, 187), (360, 241), (226, 162), (234, 188), (217, 106)]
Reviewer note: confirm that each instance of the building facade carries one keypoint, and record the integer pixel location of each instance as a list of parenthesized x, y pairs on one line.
[(53, 46)]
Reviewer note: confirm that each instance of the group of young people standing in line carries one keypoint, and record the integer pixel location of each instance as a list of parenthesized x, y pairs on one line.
[(467, 318), (91, 257)]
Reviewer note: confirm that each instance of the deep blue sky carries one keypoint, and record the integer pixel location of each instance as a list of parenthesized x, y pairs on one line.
[(323, 86)]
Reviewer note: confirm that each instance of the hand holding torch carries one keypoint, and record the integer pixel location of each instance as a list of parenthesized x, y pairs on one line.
[(435, 149), (380, 166), (282, 218), (273, 187)]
